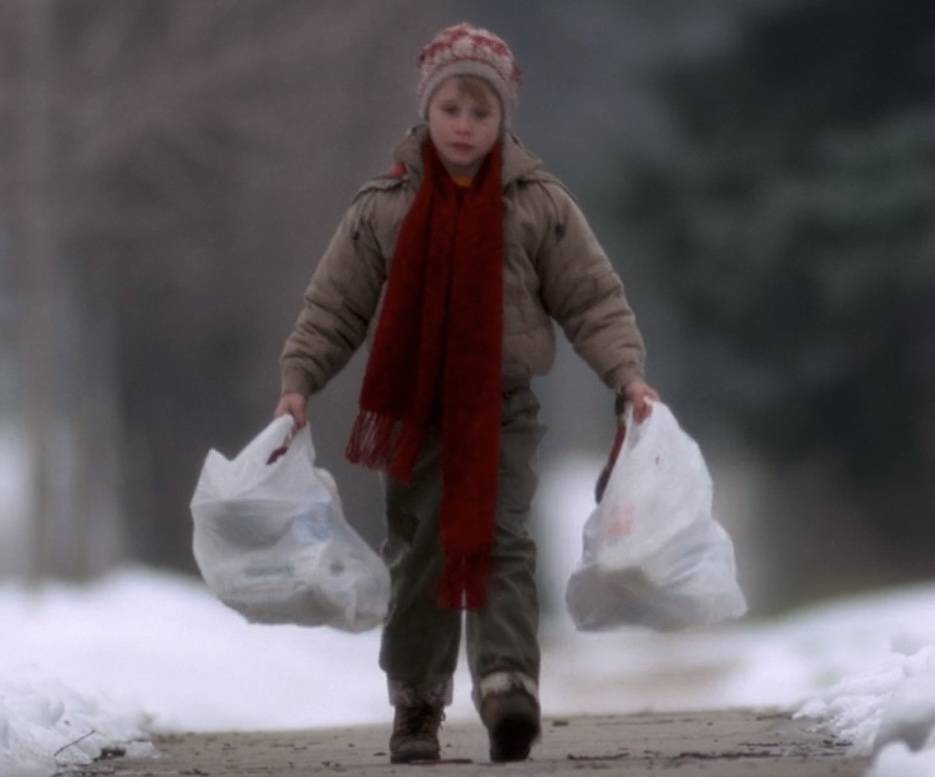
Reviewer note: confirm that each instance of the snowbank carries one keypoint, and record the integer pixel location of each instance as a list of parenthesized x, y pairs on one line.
[(887, 709), (140, 651), (45, 724)]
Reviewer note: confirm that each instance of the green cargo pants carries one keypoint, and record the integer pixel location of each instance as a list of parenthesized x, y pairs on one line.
[(419, 650)]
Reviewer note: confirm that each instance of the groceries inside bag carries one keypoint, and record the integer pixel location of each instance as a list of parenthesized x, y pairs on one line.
[(653, 554), (272, 542)]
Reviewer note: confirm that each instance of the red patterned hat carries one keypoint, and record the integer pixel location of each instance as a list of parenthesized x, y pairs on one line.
[(466, 50)]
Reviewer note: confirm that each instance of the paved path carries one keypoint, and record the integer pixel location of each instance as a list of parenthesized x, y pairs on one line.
[(713, 744)]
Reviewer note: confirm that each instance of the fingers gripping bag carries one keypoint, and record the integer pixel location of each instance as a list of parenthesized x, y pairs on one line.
[(653, 553), (272, 542)]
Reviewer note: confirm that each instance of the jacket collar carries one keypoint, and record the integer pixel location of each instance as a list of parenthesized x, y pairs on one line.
[(518, 161)]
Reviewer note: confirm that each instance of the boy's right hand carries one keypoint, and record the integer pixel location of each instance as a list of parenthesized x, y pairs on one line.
[(293, 404)]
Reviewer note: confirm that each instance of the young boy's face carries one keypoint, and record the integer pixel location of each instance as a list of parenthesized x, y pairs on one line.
[(464, 124)]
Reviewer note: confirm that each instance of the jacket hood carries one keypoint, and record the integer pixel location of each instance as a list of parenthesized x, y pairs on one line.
[(518, 161)]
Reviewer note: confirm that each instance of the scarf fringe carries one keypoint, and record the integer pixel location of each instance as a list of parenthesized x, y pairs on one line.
[(372, 441), (463, 582), (381, 442)]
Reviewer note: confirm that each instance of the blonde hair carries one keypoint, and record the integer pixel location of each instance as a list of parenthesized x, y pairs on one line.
[(477, 89)]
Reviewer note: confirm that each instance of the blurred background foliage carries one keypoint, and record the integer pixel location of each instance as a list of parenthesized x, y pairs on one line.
[(792, 233), (761, 172)]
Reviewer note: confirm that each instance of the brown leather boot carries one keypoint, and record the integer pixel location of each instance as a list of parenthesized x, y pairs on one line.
[(512, 721), (415, 733)]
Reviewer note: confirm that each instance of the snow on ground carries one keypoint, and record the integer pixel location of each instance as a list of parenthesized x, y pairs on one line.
[(142, 651), (888, 707)]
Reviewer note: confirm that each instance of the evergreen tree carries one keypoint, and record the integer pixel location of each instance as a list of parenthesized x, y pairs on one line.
[(793, 232)]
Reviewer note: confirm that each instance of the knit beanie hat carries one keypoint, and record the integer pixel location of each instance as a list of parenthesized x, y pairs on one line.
[(465, 50)]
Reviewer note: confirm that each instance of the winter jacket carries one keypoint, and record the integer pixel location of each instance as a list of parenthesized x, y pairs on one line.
[(554, 268)]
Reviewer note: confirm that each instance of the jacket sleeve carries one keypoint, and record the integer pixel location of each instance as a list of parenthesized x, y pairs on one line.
[(338, 305), (581, 290)]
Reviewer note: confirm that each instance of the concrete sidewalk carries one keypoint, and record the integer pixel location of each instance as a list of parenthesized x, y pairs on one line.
[(714, 744)]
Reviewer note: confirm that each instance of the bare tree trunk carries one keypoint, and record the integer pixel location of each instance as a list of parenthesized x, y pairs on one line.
[(35, 251)]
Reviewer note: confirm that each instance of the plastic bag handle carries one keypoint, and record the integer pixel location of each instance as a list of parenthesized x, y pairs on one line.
[(615, 448), (281, 450)]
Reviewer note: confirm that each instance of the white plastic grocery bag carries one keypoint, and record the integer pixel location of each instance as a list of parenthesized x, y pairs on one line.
[(272, 542), (653, 554)]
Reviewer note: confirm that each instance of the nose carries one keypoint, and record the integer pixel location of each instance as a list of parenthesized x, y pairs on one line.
[(463, 123)]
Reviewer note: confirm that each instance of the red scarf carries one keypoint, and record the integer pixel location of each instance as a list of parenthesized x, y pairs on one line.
[(436, 362)]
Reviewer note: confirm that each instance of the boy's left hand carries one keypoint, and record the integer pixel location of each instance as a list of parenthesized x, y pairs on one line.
[(637, 392)]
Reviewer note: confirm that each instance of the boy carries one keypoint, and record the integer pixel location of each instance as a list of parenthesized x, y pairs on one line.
[(462, 255)]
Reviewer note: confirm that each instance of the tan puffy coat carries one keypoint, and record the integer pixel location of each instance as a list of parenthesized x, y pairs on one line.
[(554, 268)]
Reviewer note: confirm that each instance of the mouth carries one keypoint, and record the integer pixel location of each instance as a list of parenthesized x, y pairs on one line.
[(462, 147)]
